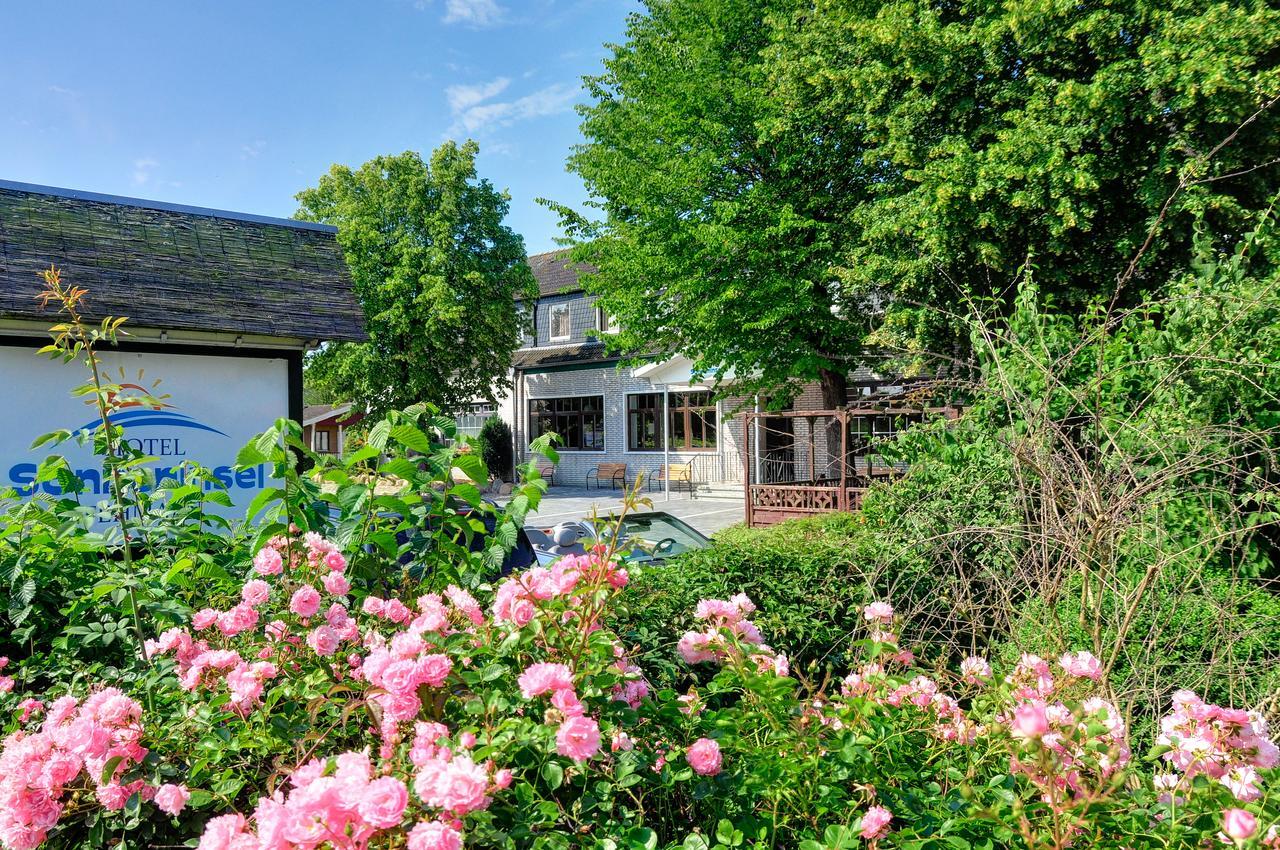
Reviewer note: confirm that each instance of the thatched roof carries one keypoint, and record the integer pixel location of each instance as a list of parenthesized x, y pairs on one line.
[(175, 267)]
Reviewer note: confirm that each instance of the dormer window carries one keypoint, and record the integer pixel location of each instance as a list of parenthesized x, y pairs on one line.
[(559, 322), (605, 323)]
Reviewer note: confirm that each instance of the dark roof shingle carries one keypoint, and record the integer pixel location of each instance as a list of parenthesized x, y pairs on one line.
[(562, 355), (173, 267), (555, 274)]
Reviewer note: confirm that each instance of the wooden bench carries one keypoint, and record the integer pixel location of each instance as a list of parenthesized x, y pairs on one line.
[(547, 470), (614, 473), (680, 473)]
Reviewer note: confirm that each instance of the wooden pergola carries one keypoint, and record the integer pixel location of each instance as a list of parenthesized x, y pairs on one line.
[(828, 465)]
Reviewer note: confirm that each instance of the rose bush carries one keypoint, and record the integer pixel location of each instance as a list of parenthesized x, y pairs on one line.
[(511, 717)]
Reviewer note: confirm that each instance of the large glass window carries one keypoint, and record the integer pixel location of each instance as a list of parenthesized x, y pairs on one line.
[(693, 421), (644, 418), (579, 421), (559, 322)]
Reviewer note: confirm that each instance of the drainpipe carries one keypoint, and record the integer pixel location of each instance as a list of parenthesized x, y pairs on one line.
[(666, 444)]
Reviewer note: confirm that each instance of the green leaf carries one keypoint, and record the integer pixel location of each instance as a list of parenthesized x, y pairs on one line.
[(553, 774)]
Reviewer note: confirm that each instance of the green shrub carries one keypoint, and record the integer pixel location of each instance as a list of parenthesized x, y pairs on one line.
[(805, 576), (497, 447)]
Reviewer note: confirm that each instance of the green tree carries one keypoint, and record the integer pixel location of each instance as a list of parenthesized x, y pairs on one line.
[(787, 187), (437, 272)]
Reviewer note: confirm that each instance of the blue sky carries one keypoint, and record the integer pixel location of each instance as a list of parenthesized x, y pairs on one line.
[(238, 104)]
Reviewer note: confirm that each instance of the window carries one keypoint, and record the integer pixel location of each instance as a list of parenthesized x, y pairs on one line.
[(644, 413), (472, 418), (559, 322), (693, 421), (692, 427), (320, 440), (579, 421), (526, 315), (605, 323)]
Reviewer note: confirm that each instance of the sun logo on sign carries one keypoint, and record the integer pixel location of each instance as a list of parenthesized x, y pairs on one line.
[(127, 391)]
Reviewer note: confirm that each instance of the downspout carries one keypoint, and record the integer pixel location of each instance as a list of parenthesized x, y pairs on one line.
[(666, 444)]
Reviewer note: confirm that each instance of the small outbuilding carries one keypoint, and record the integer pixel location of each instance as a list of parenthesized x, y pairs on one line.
[(221, 308)]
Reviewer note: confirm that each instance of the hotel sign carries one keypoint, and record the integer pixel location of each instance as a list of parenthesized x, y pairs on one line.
[(173, 408)]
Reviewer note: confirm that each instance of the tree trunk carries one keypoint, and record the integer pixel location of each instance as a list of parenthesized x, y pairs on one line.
[(835, 388)]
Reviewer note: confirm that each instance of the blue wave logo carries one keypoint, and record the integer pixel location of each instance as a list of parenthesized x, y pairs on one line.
[(151, 418)]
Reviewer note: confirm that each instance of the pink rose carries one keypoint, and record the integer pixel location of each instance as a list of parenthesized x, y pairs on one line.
[(222, 833), (543, 677), (1082, 665), (204, 619), (305, 601), (268, 562), (578, 738), (1238, 824), (881, 612), (434, 835), (875, 823), (336, 584), (975, 670), (255, 592), (383, 802), (434, 669), (171, 799), (704, 757), (323, 640), (1030, 720), (335, 561)]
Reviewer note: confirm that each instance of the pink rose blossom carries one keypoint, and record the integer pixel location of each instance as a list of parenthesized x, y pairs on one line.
[(335, 562), (305, 601), (881, 612), (875, 823), (336, 584), (975, 670), (323, 640), (204, 618), (383, 802), (268, 562), (434, 835), (1082, 665), (223, 833), (255, 592), (704, 757), (1238, 824), (171, 799), (578, 738), (544, 677), (1029, 720)]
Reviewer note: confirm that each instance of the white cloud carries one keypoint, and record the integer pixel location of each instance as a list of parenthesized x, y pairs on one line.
[(251, 151), (142, 169), (464, 97), (476, 13), (480, 117)]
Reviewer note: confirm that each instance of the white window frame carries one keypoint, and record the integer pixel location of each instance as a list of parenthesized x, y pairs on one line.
[(316, 434), (605, 323), (551, 323)]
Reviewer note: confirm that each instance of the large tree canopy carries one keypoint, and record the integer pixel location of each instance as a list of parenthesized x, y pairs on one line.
[(786, 184), (437, 273)]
